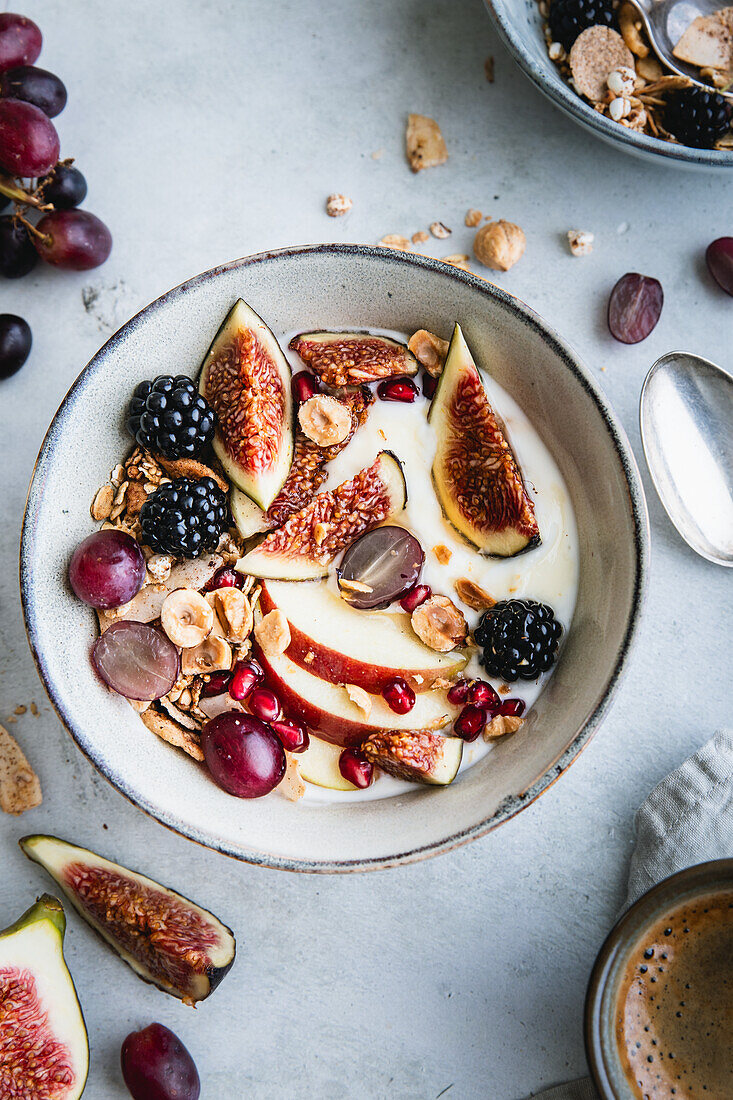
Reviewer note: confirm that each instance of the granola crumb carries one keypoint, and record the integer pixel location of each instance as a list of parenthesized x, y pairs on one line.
[(21, 709), (34, 710), (309, 657), (377, 154), (102, 503), (396, 241), (442, 553), (439, 230), (473, 218), (424, 143), (489, 68), (20, 788), (338, 205), (580, 242), (420, 237), (501, 726)]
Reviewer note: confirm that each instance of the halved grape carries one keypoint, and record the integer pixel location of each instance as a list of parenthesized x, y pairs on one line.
[(29, 144), (107, 569), (387, 560), (719, 257), (73, 239), (37, 86), (136, 659), (634, 307), (243, 755), (20, 41), (157, 1066)]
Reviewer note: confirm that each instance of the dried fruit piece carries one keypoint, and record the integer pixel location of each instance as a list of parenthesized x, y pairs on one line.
[(634, 307), (439, 624), (477, 480), (429, 350), (157, 1066), (167, 939), (246, 379), (420, 756), (307, 544), (44, 1051), (324, 420), (186, 617), (20, 787), (424, 143), (350, 358)]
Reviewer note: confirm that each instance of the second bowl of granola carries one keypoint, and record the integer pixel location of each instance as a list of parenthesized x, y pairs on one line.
[(395, 583)]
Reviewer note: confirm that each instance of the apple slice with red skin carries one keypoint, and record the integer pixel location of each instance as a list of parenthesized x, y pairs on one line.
[(327, 708), (373, 646)]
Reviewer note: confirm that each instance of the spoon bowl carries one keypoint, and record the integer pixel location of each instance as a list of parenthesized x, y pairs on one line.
[(665, 21), (686, 415)]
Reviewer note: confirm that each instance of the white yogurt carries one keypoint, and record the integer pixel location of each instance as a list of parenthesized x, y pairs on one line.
[(548, 573)]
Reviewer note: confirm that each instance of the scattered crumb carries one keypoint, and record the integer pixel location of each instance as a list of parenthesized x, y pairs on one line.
[(20, 788), (11, 719), (503, 689), (442, 553), (359, 697), (34, 710), (395, 240), (21, 709), (440, 231), (420, 237), (473, 218), (378, 154), (338, 205), (309, 657), (457, 259), (580, 242), (424, 143), (489, 69)]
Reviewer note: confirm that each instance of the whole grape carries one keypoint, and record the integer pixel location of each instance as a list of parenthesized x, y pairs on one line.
[(73, 239), (64, 188), (20, 41), (37, 86), (29, 144), (15, 343), (157, 1066), (17, 254)]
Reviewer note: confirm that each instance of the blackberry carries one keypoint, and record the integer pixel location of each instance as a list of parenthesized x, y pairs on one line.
[(696, 117), (170, 417), (569, 17), (184, 517), (519, 639)]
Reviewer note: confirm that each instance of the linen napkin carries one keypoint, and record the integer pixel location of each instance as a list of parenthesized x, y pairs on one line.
[(687, 819)]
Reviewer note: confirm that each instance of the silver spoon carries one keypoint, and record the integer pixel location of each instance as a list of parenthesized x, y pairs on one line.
[(665, 21), (686, 414)]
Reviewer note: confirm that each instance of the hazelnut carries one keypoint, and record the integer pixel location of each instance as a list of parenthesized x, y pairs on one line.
[(473, 595), (325, 420), (186, 617), (439, 624), (273, 633), (580, 242), (499, 245), (214, 654), (233, 612), (338, 205), (429, 350)]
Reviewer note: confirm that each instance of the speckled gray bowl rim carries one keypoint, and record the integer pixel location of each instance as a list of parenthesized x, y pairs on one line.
[(713, 877), (568, 100), (637, 507)]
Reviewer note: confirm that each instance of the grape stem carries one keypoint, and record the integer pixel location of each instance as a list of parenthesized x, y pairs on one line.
[(45, 237), (11, 190)]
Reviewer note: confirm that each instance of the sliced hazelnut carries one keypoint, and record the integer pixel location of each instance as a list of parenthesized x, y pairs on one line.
[(473, 595), (324, 420), (186, 617), (213, 654), (233, 612), (499, 245), (439, 230), (424, 143), (439, 624), (273, 633), (429, 350)]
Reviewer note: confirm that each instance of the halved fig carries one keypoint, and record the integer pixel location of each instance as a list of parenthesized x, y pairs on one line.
[(477, 479), (246, 379), (304, 547), (166, 939), (44, 1051), (420, 756), (349, 358)]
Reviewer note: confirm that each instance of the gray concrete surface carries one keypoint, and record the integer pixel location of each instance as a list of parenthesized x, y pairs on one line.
[(213, 129)]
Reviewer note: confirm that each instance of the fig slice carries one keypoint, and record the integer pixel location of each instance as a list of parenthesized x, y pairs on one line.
[(349, 358), (167, 939), (44, 1051), (304, 547), (246, 379), (476, 476), (420, 756)]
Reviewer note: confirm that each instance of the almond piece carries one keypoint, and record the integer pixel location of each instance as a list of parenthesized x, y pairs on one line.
[(361, 698)]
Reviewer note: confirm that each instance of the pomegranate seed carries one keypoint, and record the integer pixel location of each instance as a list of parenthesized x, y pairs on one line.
[(355, 768), (225, 578), (719, 258), (397, 389), (247, 675), (470, 722), (483, 695), (634, 307), (458, 692), (417, 595), (264, 704), (303, 386), (294, 735), (398, 695), (429, 385), (217, 684), (512, 708)]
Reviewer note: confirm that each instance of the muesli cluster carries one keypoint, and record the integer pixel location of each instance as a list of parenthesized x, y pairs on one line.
[(601, 49)]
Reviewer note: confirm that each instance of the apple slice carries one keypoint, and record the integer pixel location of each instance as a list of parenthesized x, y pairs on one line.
[(373, 646), (319, 764), (327, 708)]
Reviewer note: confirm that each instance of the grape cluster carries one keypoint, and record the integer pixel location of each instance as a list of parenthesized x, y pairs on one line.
[(35, 181)]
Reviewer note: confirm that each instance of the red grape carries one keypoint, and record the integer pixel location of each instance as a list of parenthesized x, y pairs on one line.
[(20, 41), (107, 569), (136, 659), (388, 560), (157, 1066), (29, 144), (15, 343), (634, 307), (73, 239), (243, 755), (17, 254), (37, 86), (719, 257)]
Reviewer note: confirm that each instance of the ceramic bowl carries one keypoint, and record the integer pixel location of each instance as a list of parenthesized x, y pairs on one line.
[(334, 286), (520, 27), (715, 877)]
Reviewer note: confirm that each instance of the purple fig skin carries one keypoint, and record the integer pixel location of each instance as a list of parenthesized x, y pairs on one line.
[(157, 1066)]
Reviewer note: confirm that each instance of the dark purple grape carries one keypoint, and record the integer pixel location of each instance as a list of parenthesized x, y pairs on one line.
[(157, 1066), (65, 187), (15, 343), (17, 254), (136, 659), (4, 201), (634, 307), (388, 560), (243, 755), (29, 144), (73, 239), (107, 569), (37, 86), (719, 257), (20, 41)]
